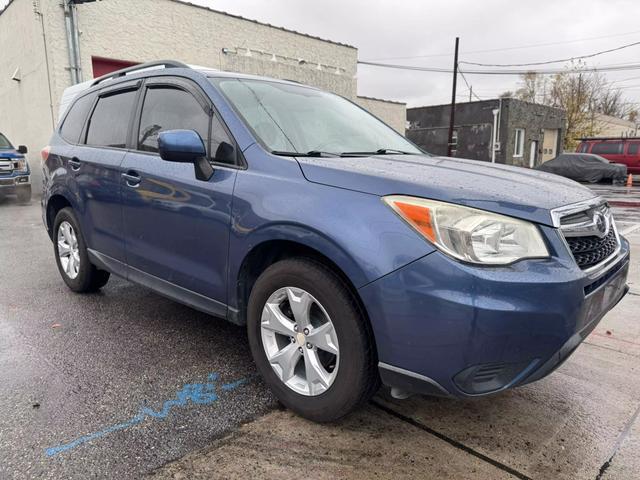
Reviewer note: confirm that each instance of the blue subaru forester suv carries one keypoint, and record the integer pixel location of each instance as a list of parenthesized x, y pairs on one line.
[(351, 256)]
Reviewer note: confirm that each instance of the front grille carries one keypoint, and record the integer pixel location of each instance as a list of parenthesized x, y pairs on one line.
[(589, 251)]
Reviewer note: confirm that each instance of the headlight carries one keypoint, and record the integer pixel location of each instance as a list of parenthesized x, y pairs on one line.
[(21, 165), (469, 234)]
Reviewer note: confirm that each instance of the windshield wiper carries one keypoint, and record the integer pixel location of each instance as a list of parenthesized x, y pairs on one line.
[(381, 151), (310, 153)]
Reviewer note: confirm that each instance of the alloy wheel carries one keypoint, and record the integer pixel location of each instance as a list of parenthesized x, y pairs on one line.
[(300, 341), (68, 251)]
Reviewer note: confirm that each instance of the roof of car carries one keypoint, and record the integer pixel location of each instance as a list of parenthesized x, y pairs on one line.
[(153, 69)]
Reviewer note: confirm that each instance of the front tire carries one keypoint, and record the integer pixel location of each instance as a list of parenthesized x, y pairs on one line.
[(310, 341), (71, 255)]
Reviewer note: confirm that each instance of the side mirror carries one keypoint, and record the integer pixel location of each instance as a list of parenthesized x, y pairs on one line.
[(22, 149), (185, 146)]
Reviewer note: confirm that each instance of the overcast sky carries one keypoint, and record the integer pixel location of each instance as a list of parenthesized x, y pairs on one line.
[(392, 30), (407, 28)]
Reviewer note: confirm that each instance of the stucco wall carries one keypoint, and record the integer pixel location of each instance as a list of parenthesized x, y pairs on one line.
[(160, 29), (393, 114), (25, 111)]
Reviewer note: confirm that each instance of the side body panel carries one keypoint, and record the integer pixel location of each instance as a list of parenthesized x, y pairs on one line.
[(177, 227)]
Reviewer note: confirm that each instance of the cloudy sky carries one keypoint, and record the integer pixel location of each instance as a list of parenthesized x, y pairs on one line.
[(396, 31), (422, 33)]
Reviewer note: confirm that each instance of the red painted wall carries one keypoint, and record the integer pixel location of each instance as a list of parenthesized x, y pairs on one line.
[(102, 66)]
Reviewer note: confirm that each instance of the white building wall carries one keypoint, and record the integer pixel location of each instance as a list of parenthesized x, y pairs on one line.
[(153, 30), (161, 29), (25, 106), (393, 114)]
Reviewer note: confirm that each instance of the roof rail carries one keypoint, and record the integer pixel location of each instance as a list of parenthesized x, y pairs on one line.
[(142, 66)]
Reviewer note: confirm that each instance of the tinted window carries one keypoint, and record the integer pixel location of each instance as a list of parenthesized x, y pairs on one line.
[(110, 120), (74, 121), (168, 108), (633, 148), (4, 142), (584, 147), (222, 147), (610, 148)]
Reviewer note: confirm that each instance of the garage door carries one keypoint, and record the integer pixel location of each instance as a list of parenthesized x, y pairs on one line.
[(549, 144)]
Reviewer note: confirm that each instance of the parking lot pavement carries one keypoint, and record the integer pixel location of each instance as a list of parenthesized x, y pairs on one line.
[(581, 422), (125, 383), (108, 385)]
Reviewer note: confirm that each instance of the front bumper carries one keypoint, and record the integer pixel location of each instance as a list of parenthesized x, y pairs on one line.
[(450, 329), (9, 184)]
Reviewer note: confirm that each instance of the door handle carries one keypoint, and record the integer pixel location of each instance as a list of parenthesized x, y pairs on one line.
[(75, 164), (132, 178)]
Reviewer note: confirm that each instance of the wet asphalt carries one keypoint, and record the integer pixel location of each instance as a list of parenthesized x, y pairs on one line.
[(119, 383), (107, 385)]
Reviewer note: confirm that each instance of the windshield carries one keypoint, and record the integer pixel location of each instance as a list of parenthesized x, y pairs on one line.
[(297, 119), (4, 142)]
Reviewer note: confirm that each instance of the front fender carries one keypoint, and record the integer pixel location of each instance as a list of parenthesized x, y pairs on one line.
[(355, 230)]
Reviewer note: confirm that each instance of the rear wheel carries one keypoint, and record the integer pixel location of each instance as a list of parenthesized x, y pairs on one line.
[(310, 341), (72, 257)]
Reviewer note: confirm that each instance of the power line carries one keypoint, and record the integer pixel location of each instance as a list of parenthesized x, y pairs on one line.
[(521, 47), (580, 57), (469, 86), (605, 68)]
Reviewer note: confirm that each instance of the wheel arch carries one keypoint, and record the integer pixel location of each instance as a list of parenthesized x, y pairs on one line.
[(55, 203), (265, 254)]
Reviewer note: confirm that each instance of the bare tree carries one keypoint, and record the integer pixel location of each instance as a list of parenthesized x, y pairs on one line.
[(582, 94), (533, 88)]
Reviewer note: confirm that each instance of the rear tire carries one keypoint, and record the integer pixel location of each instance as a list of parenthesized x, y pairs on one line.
[(356, 378), (81, 276), (24, 194)]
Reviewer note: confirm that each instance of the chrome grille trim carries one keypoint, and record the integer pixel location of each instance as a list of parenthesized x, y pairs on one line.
[(587, 226)]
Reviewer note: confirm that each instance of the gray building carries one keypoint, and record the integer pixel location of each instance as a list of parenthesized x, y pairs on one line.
[(521, 133)]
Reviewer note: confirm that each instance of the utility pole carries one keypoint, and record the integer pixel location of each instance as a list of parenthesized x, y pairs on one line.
[(470, 93), (453, 100)]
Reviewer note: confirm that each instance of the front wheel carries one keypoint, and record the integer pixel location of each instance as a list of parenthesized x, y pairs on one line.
[(310, 341), (71, 255)]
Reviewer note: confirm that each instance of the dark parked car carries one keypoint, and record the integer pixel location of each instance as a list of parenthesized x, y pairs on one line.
[(15, 175), (585, 167), (350, 255)]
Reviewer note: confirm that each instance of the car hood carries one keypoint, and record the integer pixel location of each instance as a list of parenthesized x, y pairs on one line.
[(513, 191), (10, 153)]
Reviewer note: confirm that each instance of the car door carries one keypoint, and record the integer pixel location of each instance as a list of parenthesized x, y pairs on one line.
[(95, 163), (177, 227)]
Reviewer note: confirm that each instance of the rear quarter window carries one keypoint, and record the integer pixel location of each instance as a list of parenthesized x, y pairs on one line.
[(633, 148), (607, 148), (74, 121)]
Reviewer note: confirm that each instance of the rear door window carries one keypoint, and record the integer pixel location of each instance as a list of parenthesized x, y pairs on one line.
[(633, 148), (75, 119), (607, 148), (109, 122)]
